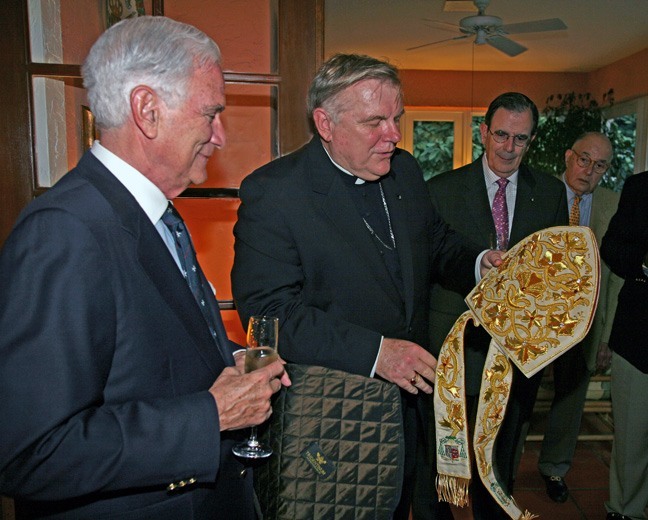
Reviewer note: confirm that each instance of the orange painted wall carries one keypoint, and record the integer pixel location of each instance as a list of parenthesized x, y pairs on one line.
[(478, 89), (242, 29), (628, 77)]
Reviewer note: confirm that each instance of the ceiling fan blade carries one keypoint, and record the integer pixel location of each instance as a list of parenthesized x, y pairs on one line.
[(441, 25), (440, 41), (505, 45), (551, 24)]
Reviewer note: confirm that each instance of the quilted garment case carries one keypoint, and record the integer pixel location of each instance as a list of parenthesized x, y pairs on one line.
[(338, 448)]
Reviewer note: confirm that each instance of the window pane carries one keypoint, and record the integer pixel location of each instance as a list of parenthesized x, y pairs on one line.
[(433, 146), (622, 131), (477, 146), (242, 30), (59, 109), (62, 31)]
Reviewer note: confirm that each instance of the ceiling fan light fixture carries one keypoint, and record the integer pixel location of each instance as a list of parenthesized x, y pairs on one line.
[(480, 38), (471, 24)]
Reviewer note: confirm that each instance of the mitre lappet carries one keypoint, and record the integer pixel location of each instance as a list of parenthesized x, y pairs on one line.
[(536, 305)]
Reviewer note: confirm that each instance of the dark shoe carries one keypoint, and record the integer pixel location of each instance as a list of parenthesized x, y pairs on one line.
[(617, 516), (556, 488)]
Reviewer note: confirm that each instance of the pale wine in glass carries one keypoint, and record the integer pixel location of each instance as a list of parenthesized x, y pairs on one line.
[(262, 339)]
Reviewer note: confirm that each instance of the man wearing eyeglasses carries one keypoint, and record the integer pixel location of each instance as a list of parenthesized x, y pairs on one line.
[(585, 163), (495, 202)]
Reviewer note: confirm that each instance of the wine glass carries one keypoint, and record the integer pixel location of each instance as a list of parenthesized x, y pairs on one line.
[(262, 338), (498, 241)]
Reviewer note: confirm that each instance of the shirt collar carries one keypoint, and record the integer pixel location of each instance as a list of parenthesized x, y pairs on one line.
[(492, 177), (147, 194)]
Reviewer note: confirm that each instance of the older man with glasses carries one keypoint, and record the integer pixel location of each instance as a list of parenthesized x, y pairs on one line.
[(585, 163), (495, 202)]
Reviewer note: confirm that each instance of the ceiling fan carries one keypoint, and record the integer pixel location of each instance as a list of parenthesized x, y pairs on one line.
[(491, 30)]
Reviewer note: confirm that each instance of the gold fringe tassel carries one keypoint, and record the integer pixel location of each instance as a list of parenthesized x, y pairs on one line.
[(453, 489), (528, 516)]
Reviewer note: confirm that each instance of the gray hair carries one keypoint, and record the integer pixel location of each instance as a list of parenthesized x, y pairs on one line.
[(149, 50), (342, 71)]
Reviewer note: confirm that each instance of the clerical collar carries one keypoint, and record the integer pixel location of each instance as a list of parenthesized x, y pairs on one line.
[(358, 180)]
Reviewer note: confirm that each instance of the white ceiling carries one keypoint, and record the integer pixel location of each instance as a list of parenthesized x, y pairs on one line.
[(599, 32)]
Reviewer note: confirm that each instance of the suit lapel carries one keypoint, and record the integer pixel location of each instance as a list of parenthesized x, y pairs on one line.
[(476, 204), (173, 288), (155, 259), (525, 207)]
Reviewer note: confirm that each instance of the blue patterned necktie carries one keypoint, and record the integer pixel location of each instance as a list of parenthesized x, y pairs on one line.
[(500, 214), (190, 267)]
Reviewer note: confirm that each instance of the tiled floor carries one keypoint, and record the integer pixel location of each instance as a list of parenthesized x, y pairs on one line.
[(587, 479)]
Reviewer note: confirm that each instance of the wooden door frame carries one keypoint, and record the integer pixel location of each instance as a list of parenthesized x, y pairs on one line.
[(16, 151)]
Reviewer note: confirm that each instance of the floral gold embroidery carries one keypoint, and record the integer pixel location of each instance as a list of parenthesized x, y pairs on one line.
[(541, 292)]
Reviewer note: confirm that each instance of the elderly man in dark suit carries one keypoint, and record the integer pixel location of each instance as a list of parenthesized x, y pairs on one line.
[(339, 240), (495, 201), (625, 250), (119, 396)]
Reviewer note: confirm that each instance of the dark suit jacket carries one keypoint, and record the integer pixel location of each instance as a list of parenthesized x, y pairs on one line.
[(302, 253), (105, 363), (624, 247), (461, 198)]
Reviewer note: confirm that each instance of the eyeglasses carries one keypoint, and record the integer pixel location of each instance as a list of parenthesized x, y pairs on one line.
[(500, 136), (585, 162)]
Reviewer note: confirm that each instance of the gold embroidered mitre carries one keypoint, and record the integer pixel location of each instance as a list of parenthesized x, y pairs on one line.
[(541, 301)]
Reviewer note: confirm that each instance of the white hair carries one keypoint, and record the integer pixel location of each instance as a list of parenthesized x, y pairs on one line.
[(148, 50)]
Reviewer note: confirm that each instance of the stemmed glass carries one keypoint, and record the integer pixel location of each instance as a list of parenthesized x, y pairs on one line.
[(498, 242), (262, 339)]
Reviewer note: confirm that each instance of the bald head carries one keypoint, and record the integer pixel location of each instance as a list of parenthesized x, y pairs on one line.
[(586, 162)]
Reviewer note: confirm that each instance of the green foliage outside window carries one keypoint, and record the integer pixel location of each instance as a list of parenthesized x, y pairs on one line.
[(433, 146), (622, 131), (478, 147)]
